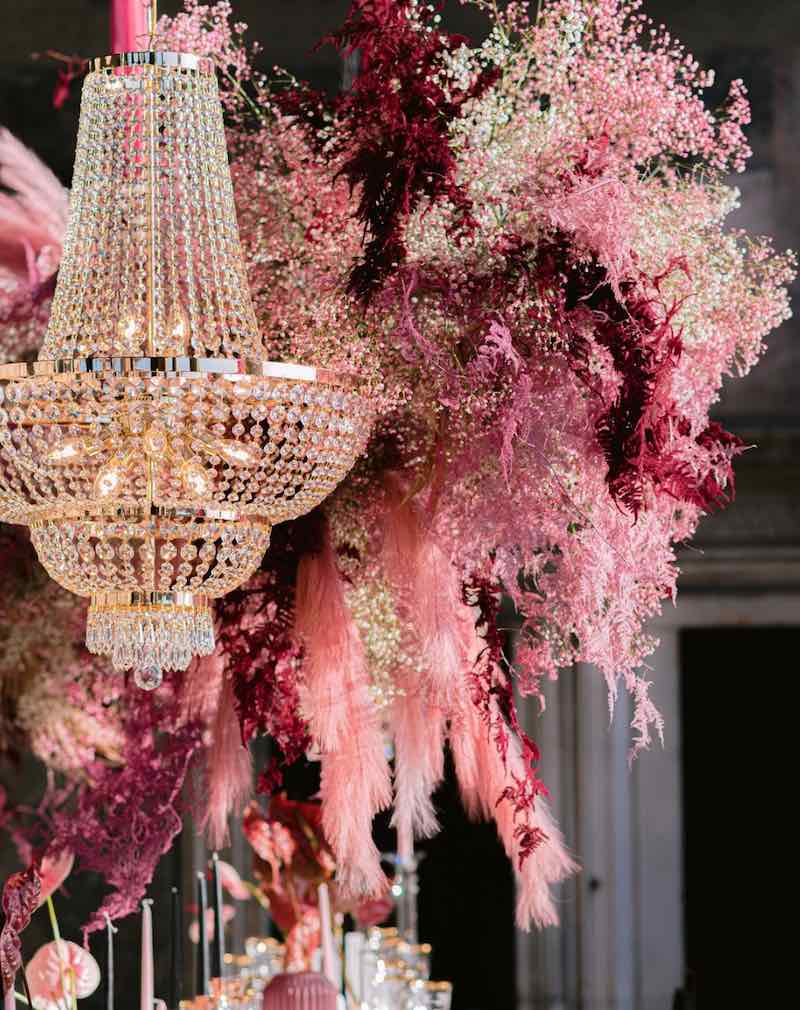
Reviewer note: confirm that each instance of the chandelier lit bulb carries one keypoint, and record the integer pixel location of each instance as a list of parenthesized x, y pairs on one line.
[(151, 447)]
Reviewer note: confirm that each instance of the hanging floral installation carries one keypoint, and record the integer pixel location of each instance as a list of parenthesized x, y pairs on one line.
[(521, 246)]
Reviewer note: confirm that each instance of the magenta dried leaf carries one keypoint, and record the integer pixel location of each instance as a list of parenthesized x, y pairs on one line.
[(121, 823), (492, 692), (20, 900), (261, 655), (393, 128)]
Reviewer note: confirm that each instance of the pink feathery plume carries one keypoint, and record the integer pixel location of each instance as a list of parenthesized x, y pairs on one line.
[(230, 771), (33, 216), (343, 722), (201, 688), (334, 671), (492, 786), (419, 767), (356, 786), (429, 597), (548, 864), (431, 593)]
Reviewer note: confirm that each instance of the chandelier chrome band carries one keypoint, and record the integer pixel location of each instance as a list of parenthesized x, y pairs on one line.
[(178, 366), (138, 514), (131, 601), (162, 59), (153, 445)]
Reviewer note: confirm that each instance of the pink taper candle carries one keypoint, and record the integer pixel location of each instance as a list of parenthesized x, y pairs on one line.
[(326, 933), (128, 25), (148, 979)]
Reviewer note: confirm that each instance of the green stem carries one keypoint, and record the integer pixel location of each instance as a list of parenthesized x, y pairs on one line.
[(54, 921), (258, 894), (18, 996), (256, 109)]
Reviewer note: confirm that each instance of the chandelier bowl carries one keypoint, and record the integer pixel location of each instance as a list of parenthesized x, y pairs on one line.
[(151, 484)]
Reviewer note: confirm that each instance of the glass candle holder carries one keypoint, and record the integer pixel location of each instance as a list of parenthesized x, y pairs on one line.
[(390, 987), (377, 935), (424, 994), (418, 958), (266, 954)]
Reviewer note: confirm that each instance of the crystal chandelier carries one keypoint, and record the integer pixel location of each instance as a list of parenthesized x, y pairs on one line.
[(150, 448)]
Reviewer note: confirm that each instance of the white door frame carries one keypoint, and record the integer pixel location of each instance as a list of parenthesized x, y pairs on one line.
[(621, 943)]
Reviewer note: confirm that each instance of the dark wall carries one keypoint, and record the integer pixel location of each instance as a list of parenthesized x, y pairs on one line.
[(738, 738), (466, 907)]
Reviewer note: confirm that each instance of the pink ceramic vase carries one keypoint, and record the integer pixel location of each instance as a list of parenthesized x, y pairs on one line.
[(302, 990)]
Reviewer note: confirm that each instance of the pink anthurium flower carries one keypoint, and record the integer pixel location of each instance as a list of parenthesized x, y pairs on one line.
[(59, 971), (53, 871), (232, 882), (228, 912)]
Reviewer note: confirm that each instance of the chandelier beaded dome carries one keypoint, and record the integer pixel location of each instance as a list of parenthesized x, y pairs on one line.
[(150, 448)]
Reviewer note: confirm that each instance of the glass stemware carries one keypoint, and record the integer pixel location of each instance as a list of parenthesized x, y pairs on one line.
[(424, 994)]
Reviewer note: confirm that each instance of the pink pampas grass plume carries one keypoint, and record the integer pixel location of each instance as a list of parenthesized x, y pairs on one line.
[(356, 786), (230, 771), (33, 216), (419, 767), (484, 779), (429, 588), (335, 679), (201, 688), (550, 863), (343, 722)]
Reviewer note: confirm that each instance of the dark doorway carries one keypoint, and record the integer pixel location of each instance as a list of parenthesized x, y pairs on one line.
[(466, 907), (740, 734)]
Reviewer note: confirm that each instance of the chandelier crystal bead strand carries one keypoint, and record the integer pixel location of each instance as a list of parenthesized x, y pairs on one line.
[(151, 448)]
